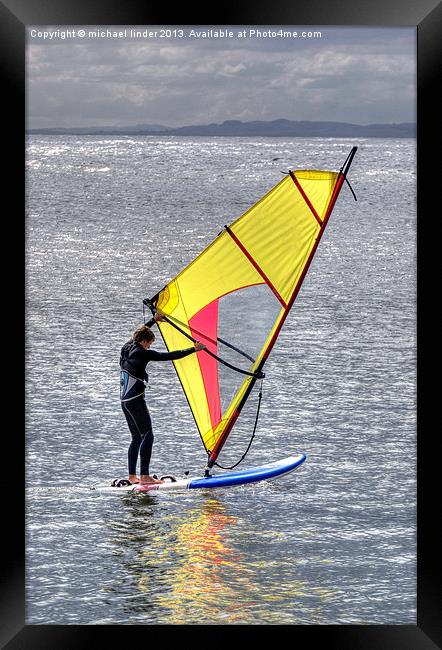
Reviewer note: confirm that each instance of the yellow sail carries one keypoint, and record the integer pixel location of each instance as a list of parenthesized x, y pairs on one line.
[(236, 294)]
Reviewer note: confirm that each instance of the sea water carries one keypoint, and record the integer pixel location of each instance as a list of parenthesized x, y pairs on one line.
[(109, 221)]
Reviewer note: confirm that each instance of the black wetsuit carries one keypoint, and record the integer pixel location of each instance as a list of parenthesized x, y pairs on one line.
[(133, 361)]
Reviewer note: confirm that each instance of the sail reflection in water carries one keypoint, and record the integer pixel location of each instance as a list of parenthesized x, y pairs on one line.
[(195, 567), (207, 573)]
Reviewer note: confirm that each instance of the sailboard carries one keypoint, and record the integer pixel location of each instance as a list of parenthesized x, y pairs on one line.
[(235, 297), (225, 479)]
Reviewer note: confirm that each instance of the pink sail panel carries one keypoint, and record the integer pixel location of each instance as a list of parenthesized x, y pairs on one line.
[(206, 321)]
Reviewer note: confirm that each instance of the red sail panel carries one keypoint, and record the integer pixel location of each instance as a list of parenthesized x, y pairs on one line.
[(206, 321)]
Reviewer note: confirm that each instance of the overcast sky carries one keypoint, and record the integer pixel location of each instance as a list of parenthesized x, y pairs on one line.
[(359, 75)]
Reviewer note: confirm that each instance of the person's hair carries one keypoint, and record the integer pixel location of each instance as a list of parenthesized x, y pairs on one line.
[(143, 333)]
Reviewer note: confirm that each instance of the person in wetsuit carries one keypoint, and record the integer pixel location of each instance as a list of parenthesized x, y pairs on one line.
[(135, 355)]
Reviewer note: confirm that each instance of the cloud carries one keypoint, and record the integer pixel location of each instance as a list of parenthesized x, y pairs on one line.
[(351, 74)]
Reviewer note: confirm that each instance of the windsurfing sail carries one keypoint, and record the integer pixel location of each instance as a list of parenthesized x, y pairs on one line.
[(235, 296)]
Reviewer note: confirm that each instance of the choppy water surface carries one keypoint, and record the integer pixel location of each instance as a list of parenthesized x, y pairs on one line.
[(111, 220)]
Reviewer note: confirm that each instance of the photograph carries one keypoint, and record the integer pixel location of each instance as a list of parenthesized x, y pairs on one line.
[(220, 286)]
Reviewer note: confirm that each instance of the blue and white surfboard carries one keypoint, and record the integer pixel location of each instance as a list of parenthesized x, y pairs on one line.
[(226, 479)]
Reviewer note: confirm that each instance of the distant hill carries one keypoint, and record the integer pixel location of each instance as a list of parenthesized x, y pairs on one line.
[(150, 129), (275, 128)]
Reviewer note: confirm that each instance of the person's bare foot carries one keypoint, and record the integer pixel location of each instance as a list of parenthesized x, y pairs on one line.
[(133, 478), (145, 479)]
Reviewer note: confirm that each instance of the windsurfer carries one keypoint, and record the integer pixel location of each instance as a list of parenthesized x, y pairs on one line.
[(135, 355)]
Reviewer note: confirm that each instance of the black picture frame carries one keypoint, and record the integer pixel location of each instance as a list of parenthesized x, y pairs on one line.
[(15, 15)]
